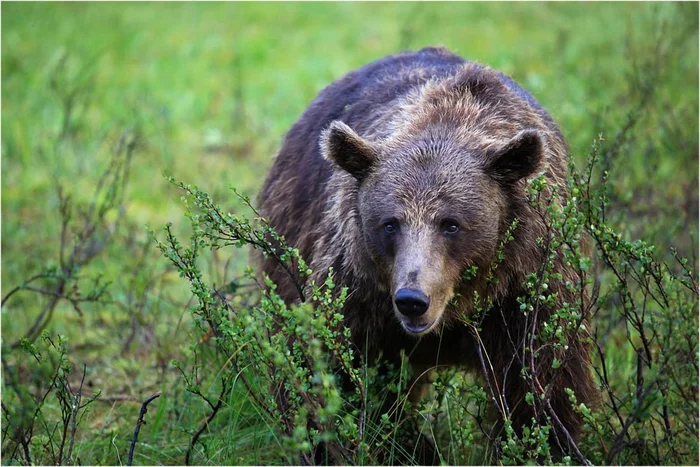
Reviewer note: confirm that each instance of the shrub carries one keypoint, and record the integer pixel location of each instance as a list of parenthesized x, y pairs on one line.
[(323, 402)]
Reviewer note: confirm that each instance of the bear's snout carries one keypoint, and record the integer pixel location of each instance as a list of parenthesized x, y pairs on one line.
[(411, 302)]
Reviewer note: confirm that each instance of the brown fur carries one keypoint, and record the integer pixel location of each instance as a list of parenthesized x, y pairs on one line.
[(421, 141)]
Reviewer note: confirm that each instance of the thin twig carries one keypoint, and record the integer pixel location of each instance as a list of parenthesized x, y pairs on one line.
[(139, 422), (562, 429), (24, 285), (74, 422), (225, 389)]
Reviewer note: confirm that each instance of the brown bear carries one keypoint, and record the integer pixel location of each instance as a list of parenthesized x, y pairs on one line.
[(400, 176)]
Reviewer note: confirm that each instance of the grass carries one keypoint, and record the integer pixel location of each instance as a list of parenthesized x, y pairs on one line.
[(208, 91)]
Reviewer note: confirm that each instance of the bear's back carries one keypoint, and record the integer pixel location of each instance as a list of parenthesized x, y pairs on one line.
[(355, 97)]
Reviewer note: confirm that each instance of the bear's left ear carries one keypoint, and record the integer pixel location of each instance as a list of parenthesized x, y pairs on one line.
[(348, 150), (519, 158)]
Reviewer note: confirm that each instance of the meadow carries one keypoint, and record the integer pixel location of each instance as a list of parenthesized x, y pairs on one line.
[(101, 102)]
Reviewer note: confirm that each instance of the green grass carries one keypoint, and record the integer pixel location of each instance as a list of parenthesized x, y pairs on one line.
[(211, 89)]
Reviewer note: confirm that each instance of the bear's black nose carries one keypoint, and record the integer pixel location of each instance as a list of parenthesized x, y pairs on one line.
[(411, 302)]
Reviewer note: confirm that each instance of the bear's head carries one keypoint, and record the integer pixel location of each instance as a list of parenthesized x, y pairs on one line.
[(431, 206)]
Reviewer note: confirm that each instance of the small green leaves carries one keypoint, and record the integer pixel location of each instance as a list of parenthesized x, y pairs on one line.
[(299, 347)]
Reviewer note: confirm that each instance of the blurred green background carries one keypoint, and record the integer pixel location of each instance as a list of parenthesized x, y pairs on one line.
[(211, 88)]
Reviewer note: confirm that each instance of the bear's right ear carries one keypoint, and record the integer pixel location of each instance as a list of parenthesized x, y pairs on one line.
[(519, 158), (348, 150)]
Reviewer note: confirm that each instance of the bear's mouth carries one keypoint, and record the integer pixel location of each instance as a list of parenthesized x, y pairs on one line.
[(418, 327)]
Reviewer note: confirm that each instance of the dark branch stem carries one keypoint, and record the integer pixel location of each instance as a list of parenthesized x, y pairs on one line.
[(139, 422)]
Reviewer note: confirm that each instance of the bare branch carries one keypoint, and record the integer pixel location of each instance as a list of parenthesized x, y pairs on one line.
[(225, 389), (139, 422)]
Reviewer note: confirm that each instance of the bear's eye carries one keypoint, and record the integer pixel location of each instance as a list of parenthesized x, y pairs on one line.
[(450, 227), (390, 228)]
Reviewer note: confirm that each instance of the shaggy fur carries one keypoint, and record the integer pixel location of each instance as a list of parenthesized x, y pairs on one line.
[(400, 175)]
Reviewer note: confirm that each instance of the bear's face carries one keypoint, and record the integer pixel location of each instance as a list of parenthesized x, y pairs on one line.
[(422, 226), (428, 209)]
